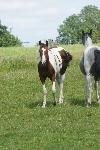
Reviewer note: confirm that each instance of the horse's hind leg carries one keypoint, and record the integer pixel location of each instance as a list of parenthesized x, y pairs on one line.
[(53, 92), (88, 89), (54, 88), (61, 97), (97, 92)]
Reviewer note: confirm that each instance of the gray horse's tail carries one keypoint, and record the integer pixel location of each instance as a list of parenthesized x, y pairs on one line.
[(96, 65)]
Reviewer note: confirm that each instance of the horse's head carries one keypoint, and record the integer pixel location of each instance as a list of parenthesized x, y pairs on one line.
[(86, 38), (43, 50)]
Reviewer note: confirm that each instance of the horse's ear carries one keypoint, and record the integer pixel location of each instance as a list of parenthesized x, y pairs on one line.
[(39, 42), (90, 32), (82, 31), (46, 43)]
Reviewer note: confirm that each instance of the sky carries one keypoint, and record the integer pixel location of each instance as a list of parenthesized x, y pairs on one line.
[(34, 20)]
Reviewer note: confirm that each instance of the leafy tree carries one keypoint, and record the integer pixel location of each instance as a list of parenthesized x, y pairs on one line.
[(71, 28), (7, 39), (67, 31), (90, 19)]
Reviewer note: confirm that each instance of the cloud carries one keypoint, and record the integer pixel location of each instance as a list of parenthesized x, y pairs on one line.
[(12, 5), (47, 12)]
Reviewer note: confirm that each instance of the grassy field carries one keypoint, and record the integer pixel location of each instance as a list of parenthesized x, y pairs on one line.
[(25, 125)]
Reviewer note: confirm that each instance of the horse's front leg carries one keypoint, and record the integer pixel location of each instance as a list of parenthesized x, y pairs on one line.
[(97, 92), (88, 90), (44, 90), (44, 95), (61, 97)]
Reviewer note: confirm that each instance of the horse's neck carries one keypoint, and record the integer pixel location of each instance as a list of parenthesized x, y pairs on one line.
[(88, 42)]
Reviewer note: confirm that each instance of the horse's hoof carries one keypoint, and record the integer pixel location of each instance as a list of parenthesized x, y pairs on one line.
[(43, 106), (61, 102), (88, 105), (98, 101), (54, 103)]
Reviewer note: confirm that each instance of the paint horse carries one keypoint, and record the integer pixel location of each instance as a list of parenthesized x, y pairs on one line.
[(90, 65), (52, 63)]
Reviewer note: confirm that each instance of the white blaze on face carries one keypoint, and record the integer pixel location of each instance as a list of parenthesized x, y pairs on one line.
[(43, 56)]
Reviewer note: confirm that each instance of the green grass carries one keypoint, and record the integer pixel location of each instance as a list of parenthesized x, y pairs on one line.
[(25, 125)]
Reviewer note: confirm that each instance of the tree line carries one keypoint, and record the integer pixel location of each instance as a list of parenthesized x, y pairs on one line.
[(70, 31), (6, 38)]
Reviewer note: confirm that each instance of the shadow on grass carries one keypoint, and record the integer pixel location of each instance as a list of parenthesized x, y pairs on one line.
[(40, 103), (82, 102), (77, 101)]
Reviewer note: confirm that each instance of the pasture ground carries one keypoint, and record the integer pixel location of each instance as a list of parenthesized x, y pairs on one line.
[(25, 125)]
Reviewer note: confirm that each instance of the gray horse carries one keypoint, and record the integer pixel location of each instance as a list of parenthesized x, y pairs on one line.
[(90, 65)]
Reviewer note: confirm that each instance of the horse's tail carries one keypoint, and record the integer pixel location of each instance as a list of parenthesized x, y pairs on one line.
[(68, 57), (97, 63)]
